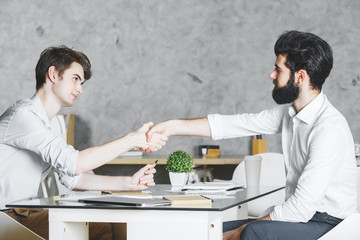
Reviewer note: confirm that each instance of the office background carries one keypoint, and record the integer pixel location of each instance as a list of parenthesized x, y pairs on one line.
[(155, 60)]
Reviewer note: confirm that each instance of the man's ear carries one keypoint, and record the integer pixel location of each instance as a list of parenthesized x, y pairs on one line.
[(301, 77), (52, 74)]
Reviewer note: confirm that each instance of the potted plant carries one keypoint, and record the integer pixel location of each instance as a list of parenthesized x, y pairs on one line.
[(179, 164)]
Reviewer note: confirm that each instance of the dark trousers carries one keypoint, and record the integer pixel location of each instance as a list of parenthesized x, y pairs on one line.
[(36, 220), (317, 226)]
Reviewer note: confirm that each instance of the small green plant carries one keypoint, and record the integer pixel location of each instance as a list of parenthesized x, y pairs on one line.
[(179, 162)]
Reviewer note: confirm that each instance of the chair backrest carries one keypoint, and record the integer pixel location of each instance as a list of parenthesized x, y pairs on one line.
[(239, 176), (272, 170), (11, 229)]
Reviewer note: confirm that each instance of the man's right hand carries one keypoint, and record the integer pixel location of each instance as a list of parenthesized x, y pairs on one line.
[(157, 128), (140, 139), (184, 127), (233, 234)]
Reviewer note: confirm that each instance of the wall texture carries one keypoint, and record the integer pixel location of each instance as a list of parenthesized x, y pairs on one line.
[(161, 59)]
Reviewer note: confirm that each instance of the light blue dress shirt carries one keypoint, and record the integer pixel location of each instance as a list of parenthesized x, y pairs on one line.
[(28, 151)]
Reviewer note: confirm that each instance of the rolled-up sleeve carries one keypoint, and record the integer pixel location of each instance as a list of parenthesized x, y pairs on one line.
[(242, 125), (68, 181)]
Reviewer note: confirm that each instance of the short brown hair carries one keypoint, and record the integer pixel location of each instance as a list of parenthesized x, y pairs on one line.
[(61, 58)]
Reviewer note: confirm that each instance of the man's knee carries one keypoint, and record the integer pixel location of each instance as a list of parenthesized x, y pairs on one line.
[(255, 231)]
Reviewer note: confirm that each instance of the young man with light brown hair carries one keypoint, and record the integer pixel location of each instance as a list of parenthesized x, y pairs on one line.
[(30, 149)]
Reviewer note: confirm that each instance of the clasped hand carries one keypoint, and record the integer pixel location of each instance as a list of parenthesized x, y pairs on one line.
[(143, 178), (157, 141)]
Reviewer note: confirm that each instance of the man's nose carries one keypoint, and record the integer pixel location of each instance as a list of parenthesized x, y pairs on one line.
[(79, 88), (273, 74)]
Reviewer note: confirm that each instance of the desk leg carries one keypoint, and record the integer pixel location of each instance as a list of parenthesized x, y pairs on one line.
[(68, 230), (215, 229)]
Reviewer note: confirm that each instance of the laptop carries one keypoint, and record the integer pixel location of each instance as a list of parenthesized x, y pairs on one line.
[(127, 201)]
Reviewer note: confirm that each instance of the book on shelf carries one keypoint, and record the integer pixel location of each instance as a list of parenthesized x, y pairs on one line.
[(132, 153), (187, 200)]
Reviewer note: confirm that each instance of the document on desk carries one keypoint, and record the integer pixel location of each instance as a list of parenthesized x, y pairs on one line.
[(134, 194), (75, 196), (211, 188), (127, 201)]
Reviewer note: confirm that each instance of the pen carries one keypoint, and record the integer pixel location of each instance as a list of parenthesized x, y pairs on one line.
[(149, 169), (207, 198), (234, 188)]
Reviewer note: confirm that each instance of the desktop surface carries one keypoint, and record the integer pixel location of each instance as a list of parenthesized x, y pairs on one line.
[(219, 204), (68, 220)]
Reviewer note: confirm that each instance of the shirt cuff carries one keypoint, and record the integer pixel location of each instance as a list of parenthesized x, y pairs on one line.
[(215, 126)]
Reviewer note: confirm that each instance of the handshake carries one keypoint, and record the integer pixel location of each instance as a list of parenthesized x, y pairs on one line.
[(149, 137), (152, 137)]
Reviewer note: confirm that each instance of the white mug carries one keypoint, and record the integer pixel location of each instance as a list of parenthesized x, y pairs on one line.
[(252, 170)]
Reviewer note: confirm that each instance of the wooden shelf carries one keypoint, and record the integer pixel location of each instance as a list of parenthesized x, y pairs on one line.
[(145, 159), (222, 160)]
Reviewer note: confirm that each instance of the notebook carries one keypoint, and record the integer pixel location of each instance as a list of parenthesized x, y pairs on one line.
[(188, 200), (128, 201)]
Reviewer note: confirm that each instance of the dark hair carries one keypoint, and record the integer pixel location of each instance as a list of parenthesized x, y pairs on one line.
[(306, 51), (61, 58)]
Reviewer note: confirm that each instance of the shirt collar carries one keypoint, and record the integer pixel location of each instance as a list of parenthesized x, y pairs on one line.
[(308, 113), (40, 109)]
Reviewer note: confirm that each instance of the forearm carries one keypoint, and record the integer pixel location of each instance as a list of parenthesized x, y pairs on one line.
[(189, 127), (94, 157), (102, 183)]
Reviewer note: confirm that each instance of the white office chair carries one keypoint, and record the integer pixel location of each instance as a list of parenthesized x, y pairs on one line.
[(11, 229), (349, 228), (272, 174)]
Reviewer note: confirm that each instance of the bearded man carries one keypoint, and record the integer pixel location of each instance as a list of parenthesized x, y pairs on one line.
[(317, 144)]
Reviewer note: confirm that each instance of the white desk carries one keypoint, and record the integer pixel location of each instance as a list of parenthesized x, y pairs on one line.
[(68, 220)]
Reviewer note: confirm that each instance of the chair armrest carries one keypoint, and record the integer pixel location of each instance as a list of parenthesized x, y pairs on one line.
[(348, 228)]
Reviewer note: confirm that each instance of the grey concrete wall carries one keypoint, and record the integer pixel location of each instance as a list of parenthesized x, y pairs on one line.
[(145, 52)]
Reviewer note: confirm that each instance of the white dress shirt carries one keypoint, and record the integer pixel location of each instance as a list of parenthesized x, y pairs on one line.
[(28, 151), (318, 151)]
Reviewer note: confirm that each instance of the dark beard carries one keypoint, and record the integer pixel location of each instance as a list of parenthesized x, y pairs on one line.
[(286, 94)]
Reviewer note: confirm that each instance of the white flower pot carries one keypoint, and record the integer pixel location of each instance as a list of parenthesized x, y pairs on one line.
[(178, 179)]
